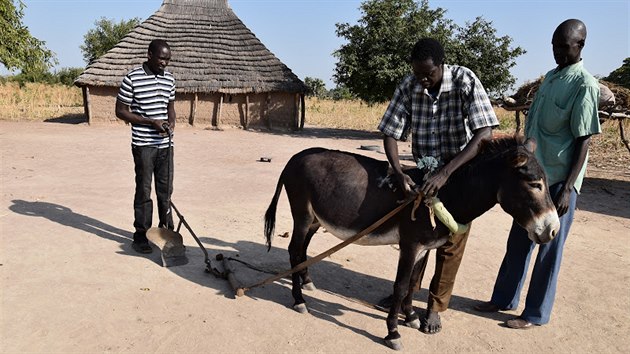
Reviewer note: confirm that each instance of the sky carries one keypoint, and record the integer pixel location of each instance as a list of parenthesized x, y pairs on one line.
[(301, 33)]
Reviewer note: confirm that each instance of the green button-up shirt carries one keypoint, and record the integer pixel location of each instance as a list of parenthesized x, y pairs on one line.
[(565, 108)]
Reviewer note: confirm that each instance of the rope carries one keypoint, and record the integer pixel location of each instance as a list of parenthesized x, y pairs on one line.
[(336, 248)]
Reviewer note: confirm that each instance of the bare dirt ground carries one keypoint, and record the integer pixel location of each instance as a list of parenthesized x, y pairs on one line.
[(71, 283)]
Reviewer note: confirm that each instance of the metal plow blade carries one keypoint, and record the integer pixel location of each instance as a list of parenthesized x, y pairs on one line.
[(171, 245)]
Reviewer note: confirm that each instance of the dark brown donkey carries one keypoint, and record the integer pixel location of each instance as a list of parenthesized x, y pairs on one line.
[(346, 193)]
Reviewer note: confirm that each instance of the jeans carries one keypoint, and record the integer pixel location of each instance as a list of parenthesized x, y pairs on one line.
[(513, 271), (150, 161)]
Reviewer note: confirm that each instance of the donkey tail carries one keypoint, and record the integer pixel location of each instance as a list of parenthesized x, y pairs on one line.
[(270, 215)]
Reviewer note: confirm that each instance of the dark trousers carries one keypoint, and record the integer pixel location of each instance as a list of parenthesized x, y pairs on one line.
[(149, 162), (447, 260), (513, 271)]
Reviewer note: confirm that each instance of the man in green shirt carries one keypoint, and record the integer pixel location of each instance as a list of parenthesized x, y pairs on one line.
[(562, 119)]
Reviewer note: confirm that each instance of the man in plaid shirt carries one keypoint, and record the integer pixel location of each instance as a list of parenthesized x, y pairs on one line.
[(448, 113)]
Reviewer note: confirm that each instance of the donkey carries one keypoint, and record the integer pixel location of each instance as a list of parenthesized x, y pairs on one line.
[(346, 193)]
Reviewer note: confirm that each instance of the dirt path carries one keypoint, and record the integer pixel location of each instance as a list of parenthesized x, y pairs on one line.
[(71, 283)]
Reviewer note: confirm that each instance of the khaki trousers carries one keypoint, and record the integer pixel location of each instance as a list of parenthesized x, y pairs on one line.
[(448, 258)]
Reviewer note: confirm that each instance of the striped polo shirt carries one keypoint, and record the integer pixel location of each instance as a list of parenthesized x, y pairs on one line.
[(148, 95)]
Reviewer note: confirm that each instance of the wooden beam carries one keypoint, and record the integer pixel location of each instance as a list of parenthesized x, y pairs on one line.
[(87, 107), (303, 113), (296, 116), (220, 110), (193, 114), (265, 116), (246, 122)]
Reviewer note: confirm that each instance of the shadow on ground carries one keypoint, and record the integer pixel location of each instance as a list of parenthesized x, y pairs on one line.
[(605, 196), (68, 119), (326, 133), (328, 276)]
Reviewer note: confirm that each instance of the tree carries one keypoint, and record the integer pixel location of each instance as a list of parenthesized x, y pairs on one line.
[(341, 92), (18, 48), (105, 36), (376, 56), (316, 87), (477, 47), (621, 75), (67, 76)]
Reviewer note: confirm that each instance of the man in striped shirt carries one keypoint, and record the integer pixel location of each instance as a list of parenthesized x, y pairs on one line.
[(146, 100), (448, 113)]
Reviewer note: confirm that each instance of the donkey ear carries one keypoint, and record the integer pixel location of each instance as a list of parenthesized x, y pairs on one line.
[(530, 144), (520, 160)]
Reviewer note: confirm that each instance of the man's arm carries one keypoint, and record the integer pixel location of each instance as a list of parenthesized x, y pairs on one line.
[(171, 115), (437, 180), (123, 112), (391, 151), (579, 157)]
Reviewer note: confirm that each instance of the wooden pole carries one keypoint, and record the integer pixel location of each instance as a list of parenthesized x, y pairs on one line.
[(220, 110), (87, 109), (623, 134), (266, 117), (194, 111), (296, 116), (303, 113), (246, 122)]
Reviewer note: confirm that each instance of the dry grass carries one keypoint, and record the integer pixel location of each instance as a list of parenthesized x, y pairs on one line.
[(360, 116), (36, 102), (607, 150), (343, 114)]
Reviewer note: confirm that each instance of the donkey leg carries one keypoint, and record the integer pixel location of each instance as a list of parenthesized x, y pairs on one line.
[(301, 227), (307, 282), (406, 263), (411, 316)]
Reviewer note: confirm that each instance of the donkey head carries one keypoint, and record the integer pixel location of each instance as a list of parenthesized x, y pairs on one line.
[(523, 193)]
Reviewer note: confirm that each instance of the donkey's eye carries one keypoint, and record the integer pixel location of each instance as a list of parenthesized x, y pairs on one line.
[(536, 185)]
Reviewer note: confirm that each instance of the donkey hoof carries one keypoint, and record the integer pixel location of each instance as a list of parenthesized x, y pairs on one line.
[(415, 323), (395, 344), (301, 308), (309, 286)]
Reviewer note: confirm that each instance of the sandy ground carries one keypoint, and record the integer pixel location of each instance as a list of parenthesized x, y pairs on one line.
[(71, 283)]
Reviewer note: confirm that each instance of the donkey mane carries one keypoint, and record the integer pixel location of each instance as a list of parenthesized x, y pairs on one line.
[(489, 153), (493, 147)]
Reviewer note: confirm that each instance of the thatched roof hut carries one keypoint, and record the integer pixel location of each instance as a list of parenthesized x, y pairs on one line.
[(225, 75)]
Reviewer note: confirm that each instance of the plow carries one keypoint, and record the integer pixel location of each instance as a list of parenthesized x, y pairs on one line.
[(173, 251)]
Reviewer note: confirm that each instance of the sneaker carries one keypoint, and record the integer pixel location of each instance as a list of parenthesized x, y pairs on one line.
[(141, 247)]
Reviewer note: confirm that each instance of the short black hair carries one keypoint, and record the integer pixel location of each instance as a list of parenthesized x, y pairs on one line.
[(157, 44), (427, 48)]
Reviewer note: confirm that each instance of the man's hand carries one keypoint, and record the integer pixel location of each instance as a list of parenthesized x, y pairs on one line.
[(160, 126), (561, 201), (433, 184), (405, 183)]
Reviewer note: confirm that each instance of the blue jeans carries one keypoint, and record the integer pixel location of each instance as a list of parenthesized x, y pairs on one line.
[(149, 162), (513, 271)]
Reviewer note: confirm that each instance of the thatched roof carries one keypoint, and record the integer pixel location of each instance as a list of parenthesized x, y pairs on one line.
[(212, 51)]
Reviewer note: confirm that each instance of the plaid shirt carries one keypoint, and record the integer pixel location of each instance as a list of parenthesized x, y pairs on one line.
[(440, 127)]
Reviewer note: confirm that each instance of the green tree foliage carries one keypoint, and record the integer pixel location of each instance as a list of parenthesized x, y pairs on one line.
[(18, 48), (105, 36), (477, 47), (621, 75), (316, 87), (376, 55), (341, 92), (67, 76)]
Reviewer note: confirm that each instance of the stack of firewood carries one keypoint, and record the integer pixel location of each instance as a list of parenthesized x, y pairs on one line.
[(613, 98)]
